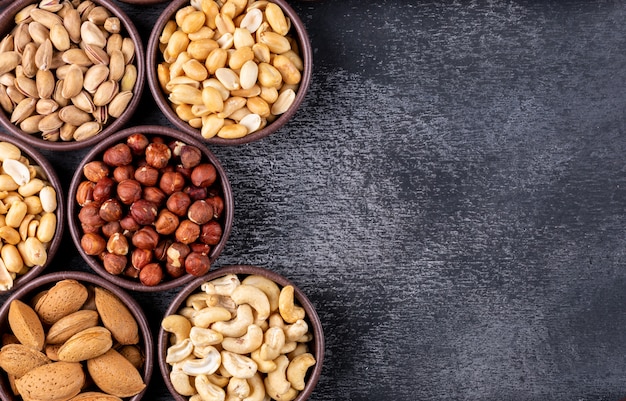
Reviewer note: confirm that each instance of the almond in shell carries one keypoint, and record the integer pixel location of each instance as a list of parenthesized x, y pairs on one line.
[(116, 317), (86, 344), (71, 324), (65, 297), (18, 359), (95, 396), (54, 381), (115, 375), (26, 325)]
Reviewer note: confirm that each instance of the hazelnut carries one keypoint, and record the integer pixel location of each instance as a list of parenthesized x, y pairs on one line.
[(166, 222), (158, 155), (200, 212), (187, 232), (203, 175), (122, 173), (92, 244), (117, 155), (87, 229), (200, 248), (217, 202), (144, 212), (140, 257), (195, 193), (145, 238), (111, 228), (211, 233), (129, 191), (154, 195), (171, 181), (197, 264), (95, 170), (160, 252), (90, 215), (174, 271), (151, 274), (137, 143), (147, 176), (114, 264), (176, 254), (186, 172), (190, 156), (175, 147), (129, 224), (111, 210), (178, 203), (131, 272), (84, 192), (103, 189), (117, 244)]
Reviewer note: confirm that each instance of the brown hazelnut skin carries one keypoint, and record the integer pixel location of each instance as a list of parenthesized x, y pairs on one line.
[(166, 222), (111, 210), (190, 156), (144, 212), (95, 170), (195, 193), (145, 238), (178, 203), (87, 229), (154, 195), (151, 274), (211, 233), (200, 248), (92, 244), (174, 271), (160, 252), (103, 189), (217, 202), (147, 176), (117, 155), (203, 175), (131, 272), (200, 212), (129, 224), (140, 257), (90, 215), (122, 173), (117, 244), (84, 192), (176, 254), (172, 181), (111, 228), (137, 143), (187, 232), (114, 264), (197, 264), (158, 155), (129, 191)]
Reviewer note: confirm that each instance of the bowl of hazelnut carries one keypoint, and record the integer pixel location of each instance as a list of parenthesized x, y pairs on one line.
[(150, 208), (71, 72), (241, 332), (229, 72), (74, 335), (31, 213)]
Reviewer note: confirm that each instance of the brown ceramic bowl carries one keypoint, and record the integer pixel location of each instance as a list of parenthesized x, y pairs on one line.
[(128, 29), (315, 346), (29, 290), (221, 186), (37, 158), (155, 57)]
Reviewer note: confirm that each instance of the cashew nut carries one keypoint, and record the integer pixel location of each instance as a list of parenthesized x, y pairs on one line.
[(239, 325), (222, 286), (203, 366), (238, 365), (276, 320), (301, 348), (257, 389), (247, 294), (272, 344), (266, 285), (288, 310), (297, 370), (263, 366), (181, 383), (246, 343), (178, 325), (218, 380), (209, 391), (289, 395), (197, 301), (205, 317), (294, 332), (288, 347), (277, 379), (224, 301), (179, 351), (201, 337), (238, 388)]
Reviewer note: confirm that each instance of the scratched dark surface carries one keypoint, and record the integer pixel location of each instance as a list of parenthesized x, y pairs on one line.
[(451, 196)]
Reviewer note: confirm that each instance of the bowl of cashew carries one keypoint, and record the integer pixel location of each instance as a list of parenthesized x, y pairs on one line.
[(241, 332)]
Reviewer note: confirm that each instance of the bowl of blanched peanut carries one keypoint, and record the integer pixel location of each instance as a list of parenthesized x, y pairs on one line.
[(229, 73)]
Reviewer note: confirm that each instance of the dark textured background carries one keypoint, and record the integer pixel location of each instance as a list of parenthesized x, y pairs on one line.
[(451, 196)]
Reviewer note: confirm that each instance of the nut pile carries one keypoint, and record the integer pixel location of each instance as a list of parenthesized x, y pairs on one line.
[(71, 335), (65, 69), (150, 210), (229, 68), (239, 340), (28, 220)]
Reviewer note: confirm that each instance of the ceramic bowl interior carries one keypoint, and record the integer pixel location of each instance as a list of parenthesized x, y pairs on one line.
[(154, 57), (316, 346), (7, 24), (26, 292), (38, 159), (96, 154)]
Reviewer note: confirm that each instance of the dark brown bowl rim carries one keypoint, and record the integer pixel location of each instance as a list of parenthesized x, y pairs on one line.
[(38, 158), (153, 82), (72, 210), (311, 314), (7, 15), (133, 306)]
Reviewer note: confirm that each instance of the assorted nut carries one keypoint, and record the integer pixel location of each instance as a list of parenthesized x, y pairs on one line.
[(229, 68), (69, 336), (150, 210), (239, 339), (66, 69), (28, 219)]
